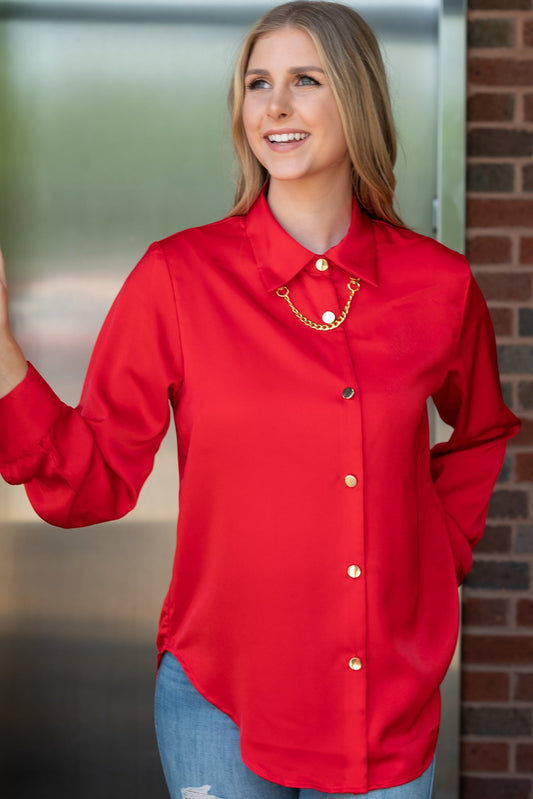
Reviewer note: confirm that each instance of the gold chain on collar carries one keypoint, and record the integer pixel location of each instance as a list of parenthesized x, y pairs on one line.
[(354, 284)]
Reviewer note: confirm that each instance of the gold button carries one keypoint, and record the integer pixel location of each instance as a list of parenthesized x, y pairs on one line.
[(328, 317), (354, 571), (321, 264), (355, 664), (350, 480)]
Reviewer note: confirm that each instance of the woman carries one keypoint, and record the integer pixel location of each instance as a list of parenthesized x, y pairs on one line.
[(313, 609)]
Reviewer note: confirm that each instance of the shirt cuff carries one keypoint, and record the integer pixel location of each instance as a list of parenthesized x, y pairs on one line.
[(27, 414)]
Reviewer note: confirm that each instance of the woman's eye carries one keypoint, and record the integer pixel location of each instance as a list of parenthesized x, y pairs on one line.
[(258, 83), (307, 80)]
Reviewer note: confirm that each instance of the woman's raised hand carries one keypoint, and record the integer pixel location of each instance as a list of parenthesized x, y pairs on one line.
[(13, 365)]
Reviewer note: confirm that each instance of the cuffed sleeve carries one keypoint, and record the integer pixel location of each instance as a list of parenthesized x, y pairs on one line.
[(87, 464), (465, 468)]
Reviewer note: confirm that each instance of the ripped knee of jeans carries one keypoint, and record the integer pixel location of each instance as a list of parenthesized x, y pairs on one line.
[(198, 793)]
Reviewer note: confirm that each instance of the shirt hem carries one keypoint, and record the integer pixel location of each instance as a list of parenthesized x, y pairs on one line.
[(353, 788), (295, 782)]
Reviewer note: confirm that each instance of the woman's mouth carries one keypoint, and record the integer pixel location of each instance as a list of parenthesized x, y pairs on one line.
[(282, 138), (286, 142)]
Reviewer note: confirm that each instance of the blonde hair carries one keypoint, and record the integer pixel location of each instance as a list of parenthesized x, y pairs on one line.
[(352, 62)]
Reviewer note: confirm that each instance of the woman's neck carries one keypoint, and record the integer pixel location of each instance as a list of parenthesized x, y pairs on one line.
[(316, 217)]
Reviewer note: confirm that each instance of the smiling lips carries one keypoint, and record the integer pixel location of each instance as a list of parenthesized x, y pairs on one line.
[(281, 138)]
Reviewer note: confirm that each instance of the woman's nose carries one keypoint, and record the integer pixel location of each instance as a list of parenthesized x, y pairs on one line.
[(279, 105)]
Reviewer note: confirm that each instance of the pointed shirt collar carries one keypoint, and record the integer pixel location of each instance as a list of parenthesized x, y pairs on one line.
[(279, 257)]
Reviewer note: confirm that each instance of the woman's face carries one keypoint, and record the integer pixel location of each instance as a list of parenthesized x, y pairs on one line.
[(290, 114)]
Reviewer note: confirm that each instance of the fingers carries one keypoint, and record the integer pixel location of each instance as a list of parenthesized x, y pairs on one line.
[(13, 365), (3, 279), (4, 312)]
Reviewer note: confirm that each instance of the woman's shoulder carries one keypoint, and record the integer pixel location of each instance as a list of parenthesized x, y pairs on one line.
[(413, 253), (204, 239)]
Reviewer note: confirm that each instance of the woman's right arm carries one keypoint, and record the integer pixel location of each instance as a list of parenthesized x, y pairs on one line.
[(86, 465), (13, 366)]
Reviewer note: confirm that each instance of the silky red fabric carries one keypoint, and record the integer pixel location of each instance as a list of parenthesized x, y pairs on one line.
[(261, 610)]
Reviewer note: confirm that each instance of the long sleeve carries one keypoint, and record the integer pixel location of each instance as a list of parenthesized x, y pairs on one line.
[(465, 468), (87, 464)]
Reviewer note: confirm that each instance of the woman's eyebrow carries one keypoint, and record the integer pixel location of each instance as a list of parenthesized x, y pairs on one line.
[(292, 70)]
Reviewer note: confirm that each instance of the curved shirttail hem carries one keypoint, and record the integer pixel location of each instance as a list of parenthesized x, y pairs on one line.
[(305, 782), (192, 679)]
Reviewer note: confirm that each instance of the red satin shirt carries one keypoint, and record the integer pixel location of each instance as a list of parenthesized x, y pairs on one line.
[(314, 590)]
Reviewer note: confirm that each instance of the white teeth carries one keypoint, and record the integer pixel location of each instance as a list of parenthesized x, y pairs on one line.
[(283, 137)]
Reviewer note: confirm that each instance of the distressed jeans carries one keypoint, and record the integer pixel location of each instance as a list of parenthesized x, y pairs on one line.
[(199, 748)]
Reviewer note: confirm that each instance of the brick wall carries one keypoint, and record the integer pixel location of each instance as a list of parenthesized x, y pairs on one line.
[(497, 711)]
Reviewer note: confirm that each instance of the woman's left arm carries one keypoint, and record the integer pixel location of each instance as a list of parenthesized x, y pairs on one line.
[(86, 465), (465, 468)]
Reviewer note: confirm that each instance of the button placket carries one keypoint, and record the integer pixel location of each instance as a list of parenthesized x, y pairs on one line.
[(329, 315), (352, 570), (316, 299)]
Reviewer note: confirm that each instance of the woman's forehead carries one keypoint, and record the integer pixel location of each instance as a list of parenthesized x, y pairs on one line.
[(285, 43)]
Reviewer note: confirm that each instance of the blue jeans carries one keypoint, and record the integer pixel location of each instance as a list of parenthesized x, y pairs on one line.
[(199, 748)]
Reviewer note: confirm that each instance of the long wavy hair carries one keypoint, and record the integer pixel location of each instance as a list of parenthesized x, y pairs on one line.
[(352, 61)]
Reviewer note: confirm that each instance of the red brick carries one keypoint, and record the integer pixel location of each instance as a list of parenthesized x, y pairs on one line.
[(495, 32), (497, 649), (508, 394), (499, 213), (485, 686), (523, 542), (528, 107), (509, 504), (500, 72), (524, 613), (524, 467), (526, 250), (525, 330), (524, 687), (496, 538), (500, 575), (489, 721), (502, 321), (489, 249), (491, 177), (527, 177), (525, 327), (494, 788), (524, 437), (499, 142), (528, 34), (479, 612), (481, 756), (505, 5), (525, 394), (490, 107), (505, 285), (524, 758)]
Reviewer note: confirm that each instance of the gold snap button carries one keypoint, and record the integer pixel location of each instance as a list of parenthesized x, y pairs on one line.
[(350, 480), (328, 317), (355, 664), (354, 571), (321, 264)]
